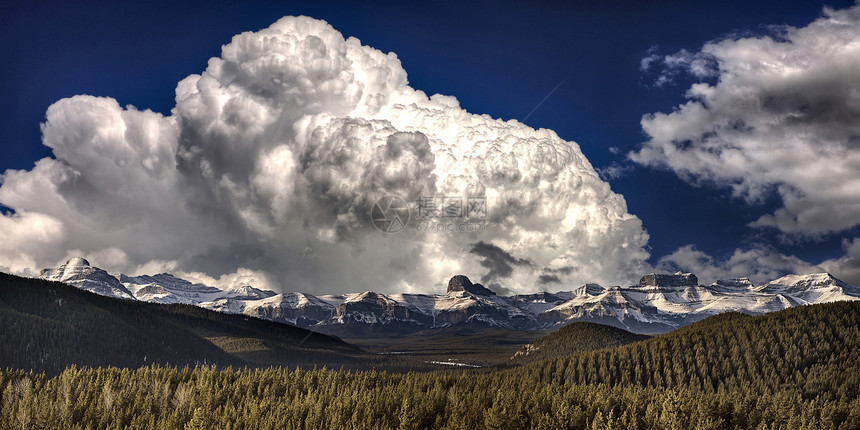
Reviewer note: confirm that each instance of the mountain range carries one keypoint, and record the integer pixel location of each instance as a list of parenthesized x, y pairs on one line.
[(658, 304)]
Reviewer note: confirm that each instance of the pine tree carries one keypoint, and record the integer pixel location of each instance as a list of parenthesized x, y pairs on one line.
[(198, 420)]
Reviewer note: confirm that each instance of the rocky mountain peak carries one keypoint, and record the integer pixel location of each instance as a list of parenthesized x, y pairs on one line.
[(78, 272), (677, 279), (459, 283), (736, 283), (77, 262), (462, 283), (589, 290)]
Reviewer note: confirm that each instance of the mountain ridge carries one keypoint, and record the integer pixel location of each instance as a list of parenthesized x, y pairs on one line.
[(657, 304)]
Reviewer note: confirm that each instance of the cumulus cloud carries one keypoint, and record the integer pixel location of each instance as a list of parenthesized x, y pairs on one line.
[(781, 116), (22, 235), (266, 170)]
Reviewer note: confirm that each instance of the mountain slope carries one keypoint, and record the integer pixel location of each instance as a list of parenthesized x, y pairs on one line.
[(49, 325), (575, 338)]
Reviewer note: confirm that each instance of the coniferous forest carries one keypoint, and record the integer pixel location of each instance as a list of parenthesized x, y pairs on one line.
[(793, 369)]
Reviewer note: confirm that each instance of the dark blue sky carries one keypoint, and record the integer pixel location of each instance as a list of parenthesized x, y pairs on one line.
[(496, 58)]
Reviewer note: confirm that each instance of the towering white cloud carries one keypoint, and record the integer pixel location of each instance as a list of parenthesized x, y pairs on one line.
[(268, 167), (782, 114)]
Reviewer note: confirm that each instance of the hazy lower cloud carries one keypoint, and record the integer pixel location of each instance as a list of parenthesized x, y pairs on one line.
[(781, 114), (760, 264), (266, 170), (846, 267)]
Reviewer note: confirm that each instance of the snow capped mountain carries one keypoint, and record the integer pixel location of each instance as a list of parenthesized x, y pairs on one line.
[(734, 285), (161, 288), (79, 273), (808, 289), (662, 302), (659, 303), (166, 288)]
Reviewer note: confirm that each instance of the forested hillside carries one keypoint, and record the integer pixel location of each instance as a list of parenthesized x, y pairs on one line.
[(575, 338), (47, 326), (812, 352)]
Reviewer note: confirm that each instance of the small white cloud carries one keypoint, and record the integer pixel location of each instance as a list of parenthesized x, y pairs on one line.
[(665, 69), (614, 171), (646, 62)]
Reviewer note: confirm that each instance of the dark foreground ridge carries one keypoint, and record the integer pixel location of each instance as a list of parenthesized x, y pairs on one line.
[(47, 326)]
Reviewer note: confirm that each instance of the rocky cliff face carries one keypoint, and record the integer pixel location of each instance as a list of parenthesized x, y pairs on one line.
[(461, 283), (734, 285), (372, 308), (677, 280)]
